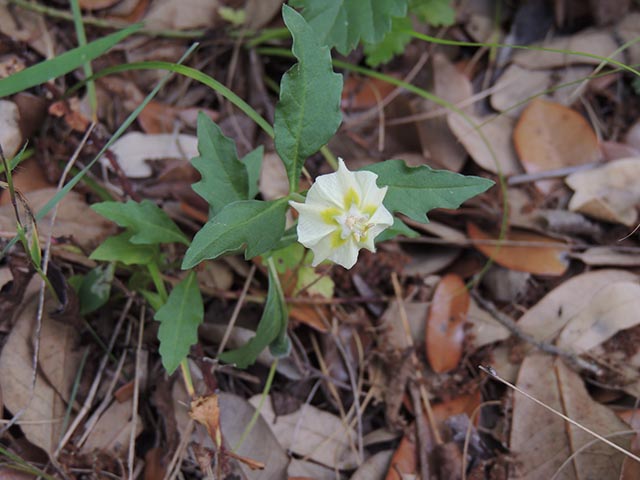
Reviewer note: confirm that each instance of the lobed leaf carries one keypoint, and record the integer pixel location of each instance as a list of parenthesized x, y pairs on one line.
[(393, 43), (252, 223), (344, 23), (413, 191), (224, 178), (179, 320), (308, 113), (148, 223)]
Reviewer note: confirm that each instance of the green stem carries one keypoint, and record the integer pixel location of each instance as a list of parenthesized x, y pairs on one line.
[(156, 277), (88, 71), (256, 414)]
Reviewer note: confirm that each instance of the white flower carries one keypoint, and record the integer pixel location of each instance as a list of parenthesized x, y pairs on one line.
[(343, 212)]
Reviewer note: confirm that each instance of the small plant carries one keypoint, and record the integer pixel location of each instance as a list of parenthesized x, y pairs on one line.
[(341, 213)]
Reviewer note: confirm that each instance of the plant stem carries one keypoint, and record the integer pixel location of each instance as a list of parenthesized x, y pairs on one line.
[(156, 277)]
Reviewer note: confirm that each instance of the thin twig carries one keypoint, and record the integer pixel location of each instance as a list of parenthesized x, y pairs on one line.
[(549, 174), (421, 432), (136, 396)]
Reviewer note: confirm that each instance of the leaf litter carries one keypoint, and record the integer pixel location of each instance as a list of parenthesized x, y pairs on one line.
[(375, 383)]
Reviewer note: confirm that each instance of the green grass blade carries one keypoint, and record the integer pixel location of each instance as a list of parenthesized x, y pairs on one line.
[(62, 64), (88, 71)]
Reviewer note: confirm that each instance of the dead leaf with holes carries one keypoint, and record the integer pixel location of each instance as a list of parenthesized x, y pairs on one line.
[(444, 332), (541, 441), (610, 193), (550, 136), (537, 254)]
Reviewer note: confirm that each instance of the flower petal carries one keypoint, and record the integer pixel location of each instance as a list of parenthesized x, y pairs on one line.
[(347, 255), (311, 224)]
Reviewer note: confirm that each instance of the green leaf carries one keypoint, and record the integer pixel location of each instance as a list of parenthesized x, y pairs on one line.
[(271, 330), (148, 222), (224, 178), (308, 113), (413, 191), (438, 13), (393, 43), (251, 223), (62, 64), (120, 249), (343, 23), (95, 288), (179, 320), (253, 163)]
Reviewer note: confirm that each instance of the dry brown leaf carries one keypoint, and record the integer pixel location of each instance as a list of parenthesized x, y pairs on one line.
[(10, 134), (134, 149), (273, 177), (28, 177), (44, 406), (313, 433), (393, 334), (375, 467), (444, 332), (594, 42), (181, 14), (112, 432), (436, 138), (549, 136), (541, 441), (537, 259), (361, 93), (546, 318), (206, 412), (608, 256), (497, 131), (483, 328), (404, 460), (97, 4), (261, 12), (74, 219), (613, 308), (628, 30), (610, 193), (307, 469), (517, 85), (25, 26)]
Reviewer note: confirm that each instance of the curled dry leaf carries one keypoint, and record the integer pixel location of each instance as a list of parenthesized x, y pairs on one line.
[(549, 136), (541, 441), (612, 309), (608, 256), (444, 332), (375, 467), (610, 193), (534, 256), (497, 132), (593, 42), (546, 318)]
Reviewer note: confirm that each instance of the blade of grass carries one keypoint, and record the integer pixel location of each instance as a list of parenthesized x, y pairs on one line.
[(62, 64), (88, 71)]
